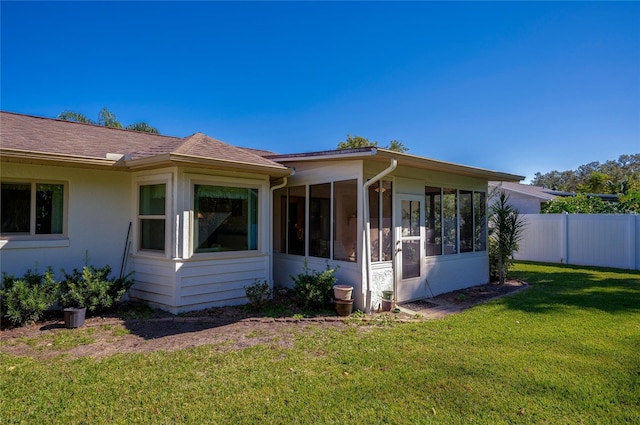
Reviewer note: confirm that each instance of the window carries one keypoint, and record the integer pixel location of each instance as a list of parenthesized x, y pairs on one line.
[(455, 221), (320, 220), (480, 221), (225, 218), (433, 218), (331, 220), (345, 225), (151, 217), (466, 221), (380, 219), (450, 218), (296, 212), (32, 208)]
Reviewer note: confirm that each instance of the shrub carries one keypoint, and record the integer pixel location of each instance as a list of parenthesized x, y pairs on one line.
[(259, 293), (312, 289), (92, 288), (25, 300)]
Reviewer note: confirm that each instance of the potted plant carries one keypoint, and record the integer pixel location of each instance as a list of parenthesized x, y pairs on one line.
[(90, 289), (387, 300)]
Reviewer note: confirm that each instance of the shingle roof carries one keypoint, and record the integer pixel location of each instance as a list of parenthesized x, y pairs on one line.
[(32, 134), (535, 191)]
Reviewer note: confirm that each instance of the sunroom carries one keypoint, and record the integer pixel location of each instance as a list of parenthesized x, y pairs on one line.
[(385, 220)]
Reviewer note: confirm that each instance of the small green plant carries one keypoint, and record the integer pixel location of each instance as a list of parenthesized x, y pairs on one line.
[(259, 293), (92, 288), (25, 300), (461, 297), (312, 289)]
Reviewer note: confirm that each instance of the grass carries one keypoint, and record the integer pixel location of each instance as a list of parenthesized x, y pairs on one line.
[(566, 351)]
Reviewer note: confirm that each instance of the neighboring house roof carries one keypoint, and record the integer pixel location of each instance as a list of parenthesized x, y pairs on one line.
[(533, 191), (25, 137), (545, 194), (404, 159)]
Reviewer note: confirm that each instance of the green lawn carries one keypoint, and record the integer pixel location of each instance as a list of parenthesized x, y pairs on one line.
[(565, 351)]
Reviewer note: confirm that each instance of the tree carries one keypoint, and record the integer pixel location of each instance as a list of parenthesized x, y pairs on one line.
[(614, 176), (596, 182), (107, 118), (583, 204), (142, 126), (506, 227), (355, 142), (74, 117)]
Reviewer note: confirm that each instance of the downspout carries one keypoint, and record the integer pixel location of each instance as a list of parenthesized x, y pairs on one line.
[(285, 180), (366, 290)]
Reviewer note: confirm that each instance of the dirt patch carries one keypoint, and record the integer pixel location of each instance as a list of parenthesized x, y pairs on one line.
[(137, 329)]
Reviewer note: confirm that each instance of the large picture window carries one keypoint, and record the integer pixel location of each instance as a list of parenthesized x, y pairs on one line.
[(225, 218), (455, 221), (151, 216), (32, 208)]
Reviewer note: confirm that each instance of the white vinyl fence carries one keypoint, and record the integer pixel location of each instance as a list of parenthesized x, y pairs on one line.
[(607, 240)]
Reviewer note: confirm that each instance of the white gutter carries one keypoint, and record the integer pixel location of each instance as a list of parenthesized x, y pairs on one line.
[(366, 290), (285, 180)]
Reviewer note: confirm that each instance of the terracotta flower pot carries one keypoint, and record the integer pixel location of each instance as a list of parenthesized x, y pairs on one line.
[(386, 305), (342, 292), (344, 307)]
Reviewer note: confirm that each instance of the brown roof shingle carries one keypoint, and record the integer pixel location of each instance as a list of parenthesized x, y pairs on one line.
[(32, 134)]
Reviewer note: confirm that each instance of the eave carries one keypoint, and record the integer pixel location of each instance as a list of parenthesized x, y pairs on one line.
[(404, 160), (148, 163)]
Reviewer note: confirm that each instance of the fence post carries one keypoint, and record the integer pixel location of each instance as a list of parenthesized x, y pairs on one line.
[(633, 262)]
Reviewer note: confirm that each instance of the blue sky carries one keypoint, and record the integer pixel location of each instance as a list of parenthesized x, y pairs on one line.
[(509, 86)]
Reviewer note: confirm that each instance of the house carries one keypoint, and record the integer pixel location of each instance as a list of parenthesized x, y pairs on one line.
[(528, 199), (197, 219)]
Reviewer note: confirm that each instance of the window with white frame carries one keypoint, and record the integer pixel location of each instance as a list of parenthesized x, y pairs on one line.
[(32, 208), (152, 217), (225, 218)]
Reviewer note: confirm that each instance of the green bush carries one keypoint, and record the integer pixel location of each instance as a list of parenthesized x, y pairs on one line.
[(313, 290), (259, 293), (25, 300), (92, 288)]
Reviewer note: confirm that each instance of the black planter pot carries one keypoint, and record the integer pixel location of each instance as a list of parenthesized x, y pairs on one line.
[(74, 317)]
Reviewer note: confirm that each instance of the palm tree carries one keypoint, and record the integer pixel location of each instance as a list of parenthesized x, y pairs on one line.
[(506, 228), (107, 118)]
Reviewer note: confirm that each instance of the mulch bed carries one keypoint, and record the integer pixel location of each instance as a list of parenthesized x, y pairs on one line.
[(136, 328)]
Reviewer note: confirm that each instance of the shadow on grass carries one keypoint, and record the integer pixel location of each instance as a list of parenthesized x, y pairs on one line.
[(555, 287)]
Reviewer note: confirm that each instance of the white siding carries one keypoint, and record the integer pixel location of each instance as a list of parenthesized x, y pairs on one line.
[(218, 282), (449, 273), (155, 282), (606, 240)]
